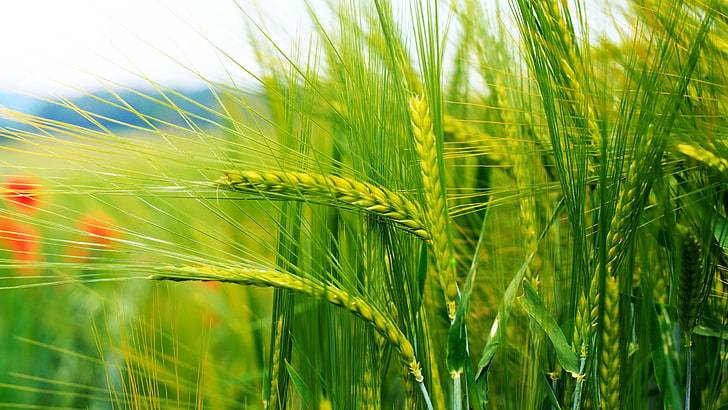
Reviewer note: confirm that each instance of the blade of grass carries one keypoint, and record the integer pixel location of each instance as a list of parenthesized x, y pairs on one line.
[(497, 329), (534, 306)]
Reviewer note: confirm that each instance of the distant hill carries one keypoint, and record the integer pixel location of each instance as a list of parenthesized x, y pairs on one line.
[(118, 111), (17, 102)]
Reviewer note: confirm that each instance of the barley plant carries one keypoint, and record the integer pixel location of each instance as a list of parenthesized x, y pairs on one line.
[(424, 205)]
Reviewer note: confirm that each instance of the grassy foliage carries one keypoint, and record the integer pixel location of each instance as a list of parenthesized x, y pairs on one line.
[(455, 207)]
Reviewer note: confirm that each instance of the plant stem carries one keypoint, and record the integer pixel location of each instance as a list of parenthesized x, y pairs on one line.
[(579, 382), (423, 389), (457, 400), (688, 377)]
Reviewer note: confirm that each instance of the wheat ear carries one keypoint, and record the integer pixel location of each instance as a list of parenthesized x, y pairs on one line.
[(435, 198), (619, 227), (410, 394), (609, 365), (706, 157), (368, 399), (306, 286), (582, 327), (690, 286), (326, 188), (630, 201)]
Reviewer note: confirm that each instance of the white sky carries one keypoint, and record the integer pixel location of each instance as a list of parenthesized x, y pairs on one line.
[(58, 46), (47, 46)]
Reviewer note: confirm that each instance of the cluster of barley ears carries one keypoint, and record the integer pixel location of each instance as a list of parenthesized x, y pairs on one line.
[(438, 205)]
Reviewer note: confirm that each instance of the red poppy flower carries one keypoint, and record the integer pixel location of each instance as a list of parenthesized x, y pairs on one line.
[(22, 192), (100, 229), (22, 241), (99, 232)]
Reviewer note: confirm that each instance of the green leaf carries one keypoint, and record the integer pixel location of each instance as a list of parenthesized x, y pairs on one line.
[(665, 367), (303, 391), (457, 351), (534, 306), (712, 329), (504, 309), (720, 230), (550, 395)]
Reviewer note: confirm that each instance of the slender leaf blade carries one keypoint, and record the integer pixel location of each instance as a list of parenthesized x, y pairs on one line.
[(534, 306)]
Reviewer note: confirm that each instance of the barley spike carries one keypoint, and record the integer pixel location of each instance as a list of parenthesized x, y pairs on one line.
[(306, 286), (436, 210), (609, 365), (321, 188), (706, 157), (690, 286)]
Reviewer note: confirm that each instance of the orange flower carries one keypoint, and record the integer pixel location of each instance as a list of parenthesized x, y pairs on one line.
[(99, 229), (22, 192), (23, 243), (99, 232)]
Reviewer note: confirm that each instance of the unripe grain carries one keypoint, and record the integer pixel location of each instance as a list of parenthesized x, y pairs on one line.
[(325, 188), (306, 286), (609, 363), (704, 156), (690, 286), (435, 198)]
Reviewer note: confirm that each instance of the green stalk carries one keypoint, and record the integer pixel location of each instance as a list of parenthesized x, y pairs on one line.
[(579, 382), (457, 401), (425, 395), (688, 376)]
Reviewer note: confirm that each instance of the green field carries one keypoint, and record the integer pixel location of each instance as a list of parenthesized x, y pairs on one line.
[(434, 207)]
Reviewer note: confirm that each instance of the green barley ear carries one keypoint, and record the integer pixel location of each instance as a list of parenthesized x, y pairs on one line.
[(435, 199), (705, 157), (305, 286), (409, 388), (610, 363), (690, 285), (582, 326), (368, 397), (593, 305), (319, 188)]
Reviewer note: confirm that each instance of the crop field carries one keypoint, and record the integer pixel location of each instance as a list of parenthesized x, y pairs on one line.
[(425, 205)]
